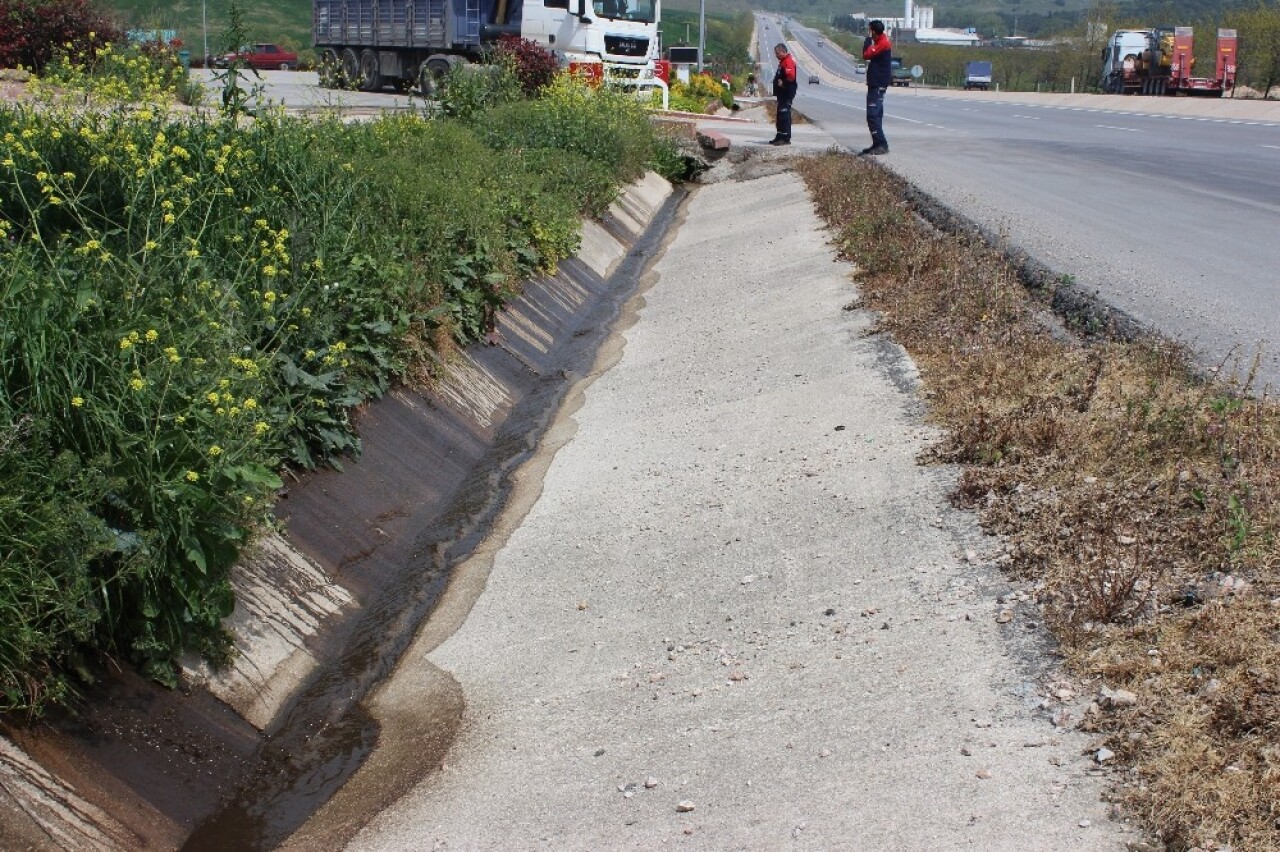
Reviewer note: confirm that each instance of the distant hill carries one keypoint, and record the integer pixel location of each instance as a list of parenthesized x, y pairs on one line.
[(285, 22), (996, 17), (289, 21)]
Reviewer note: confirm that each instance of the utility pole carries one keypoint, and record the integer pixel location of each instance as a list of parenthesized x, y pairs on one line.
[(702, 28), (204, 22)]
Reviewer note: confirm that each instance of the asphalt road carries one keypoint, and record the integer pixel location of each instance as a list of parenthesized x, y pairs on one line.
[(1170, 217)]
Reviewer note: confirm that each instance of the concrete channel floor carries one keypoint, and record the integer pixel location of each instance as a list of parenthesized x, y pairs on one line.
[(733, 612)]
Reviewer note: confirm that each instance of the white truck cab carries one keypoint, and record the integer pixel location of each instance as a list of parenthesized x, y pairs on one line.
[(621, 34)]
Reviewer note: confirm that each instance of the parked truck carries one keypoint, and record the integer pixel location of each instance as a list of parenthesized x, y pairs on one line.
[(977, 75), (1160, 61), (375, 43), (898, 76)]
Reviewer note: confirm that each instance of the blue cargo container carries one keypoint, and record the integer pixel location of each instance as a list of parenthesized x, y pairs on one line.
[(977, 75)]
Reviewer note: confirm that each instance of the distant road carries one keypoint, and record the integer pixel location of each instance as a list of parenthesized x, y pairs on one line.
[(1173, 218)]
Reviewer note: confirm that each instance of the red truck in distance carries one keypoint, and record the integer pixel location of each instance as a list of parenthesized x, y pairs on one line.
[(264, 57)]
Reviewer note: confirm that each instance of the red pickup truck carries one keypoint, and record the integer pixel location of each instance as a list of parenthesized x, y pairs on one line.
[(262, 56)]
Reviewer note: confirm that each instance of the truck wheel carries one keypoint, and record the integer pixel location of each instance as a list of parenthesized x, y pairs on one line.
[(329, 68), (370, 76), (350, 68), (430, 73)]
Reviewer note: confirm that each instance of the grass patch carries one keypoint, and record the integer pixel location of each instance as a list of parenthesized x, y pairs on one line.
[(191, 302), (1139, 501)]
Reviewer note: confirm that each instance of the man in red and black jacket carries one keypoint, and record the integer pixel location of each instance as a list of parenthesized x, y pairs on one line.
[(784, 89), (877, 50)]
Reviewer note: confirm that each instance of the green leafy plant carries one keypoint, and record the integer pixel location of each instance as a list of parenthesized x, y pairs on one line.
[(468, 90), (192, 303)]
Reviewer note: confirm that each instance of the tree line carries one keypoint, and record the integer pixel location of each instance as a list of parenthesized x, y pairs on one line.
[(1071, 61)]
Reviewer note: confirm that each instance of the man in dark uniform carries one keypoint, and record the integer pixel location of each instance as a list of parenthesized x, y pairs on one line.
[(784, 89), (877, 50)]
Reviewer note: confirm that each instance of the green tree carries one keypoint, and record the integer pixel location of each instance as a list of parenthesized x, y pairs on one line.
[(1259, 32)]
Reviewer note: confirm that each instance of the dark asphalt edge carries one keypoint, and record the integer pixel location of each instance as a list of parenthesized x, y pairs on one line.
[(1084, 312)]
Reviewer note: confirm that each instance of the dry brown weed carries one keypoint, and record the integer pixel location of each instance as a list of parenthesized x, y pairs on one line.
[(1142, 500)]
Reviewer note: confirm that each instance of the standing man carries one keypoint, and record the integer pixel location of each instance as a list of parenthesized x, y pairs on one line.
[(784, 89), (877, 50)]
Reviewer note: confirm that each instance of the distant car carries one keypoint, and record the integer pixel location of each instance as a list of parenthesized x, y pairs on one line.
[(860, 68), (813, 79), (264, 57)]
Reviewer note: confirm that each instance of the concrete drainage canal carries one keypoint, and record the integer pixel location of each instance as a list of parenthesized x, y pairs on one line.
[(241, 759)]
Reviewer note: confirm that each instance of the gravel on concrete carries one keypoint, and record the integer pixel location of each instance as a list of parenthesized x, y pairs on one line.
[(738, 614)]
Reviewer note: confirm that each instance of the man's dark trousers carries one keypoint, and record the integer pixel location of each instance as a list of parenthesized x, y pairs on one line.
[(875, 116), (784, 116)]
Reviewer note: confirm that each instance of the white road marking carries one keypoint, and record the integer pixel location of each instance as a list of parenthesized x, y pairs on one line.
[(1097, 111), (1028, 117), (1125, 129)]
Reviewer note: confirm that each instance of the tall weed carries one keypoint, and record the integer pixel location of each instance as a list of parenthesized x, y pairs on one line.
[(190, 303), (1142, 501)]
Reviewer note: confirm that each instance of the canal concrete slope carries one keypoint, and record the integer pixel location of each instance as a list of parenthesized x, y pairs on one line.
[(239, 758), (725, 607)]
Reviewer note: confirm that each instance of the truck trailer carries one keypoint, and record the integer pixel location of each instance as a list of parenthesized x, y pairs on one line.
[(375, 43), (1159, 62), (977, 75)]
